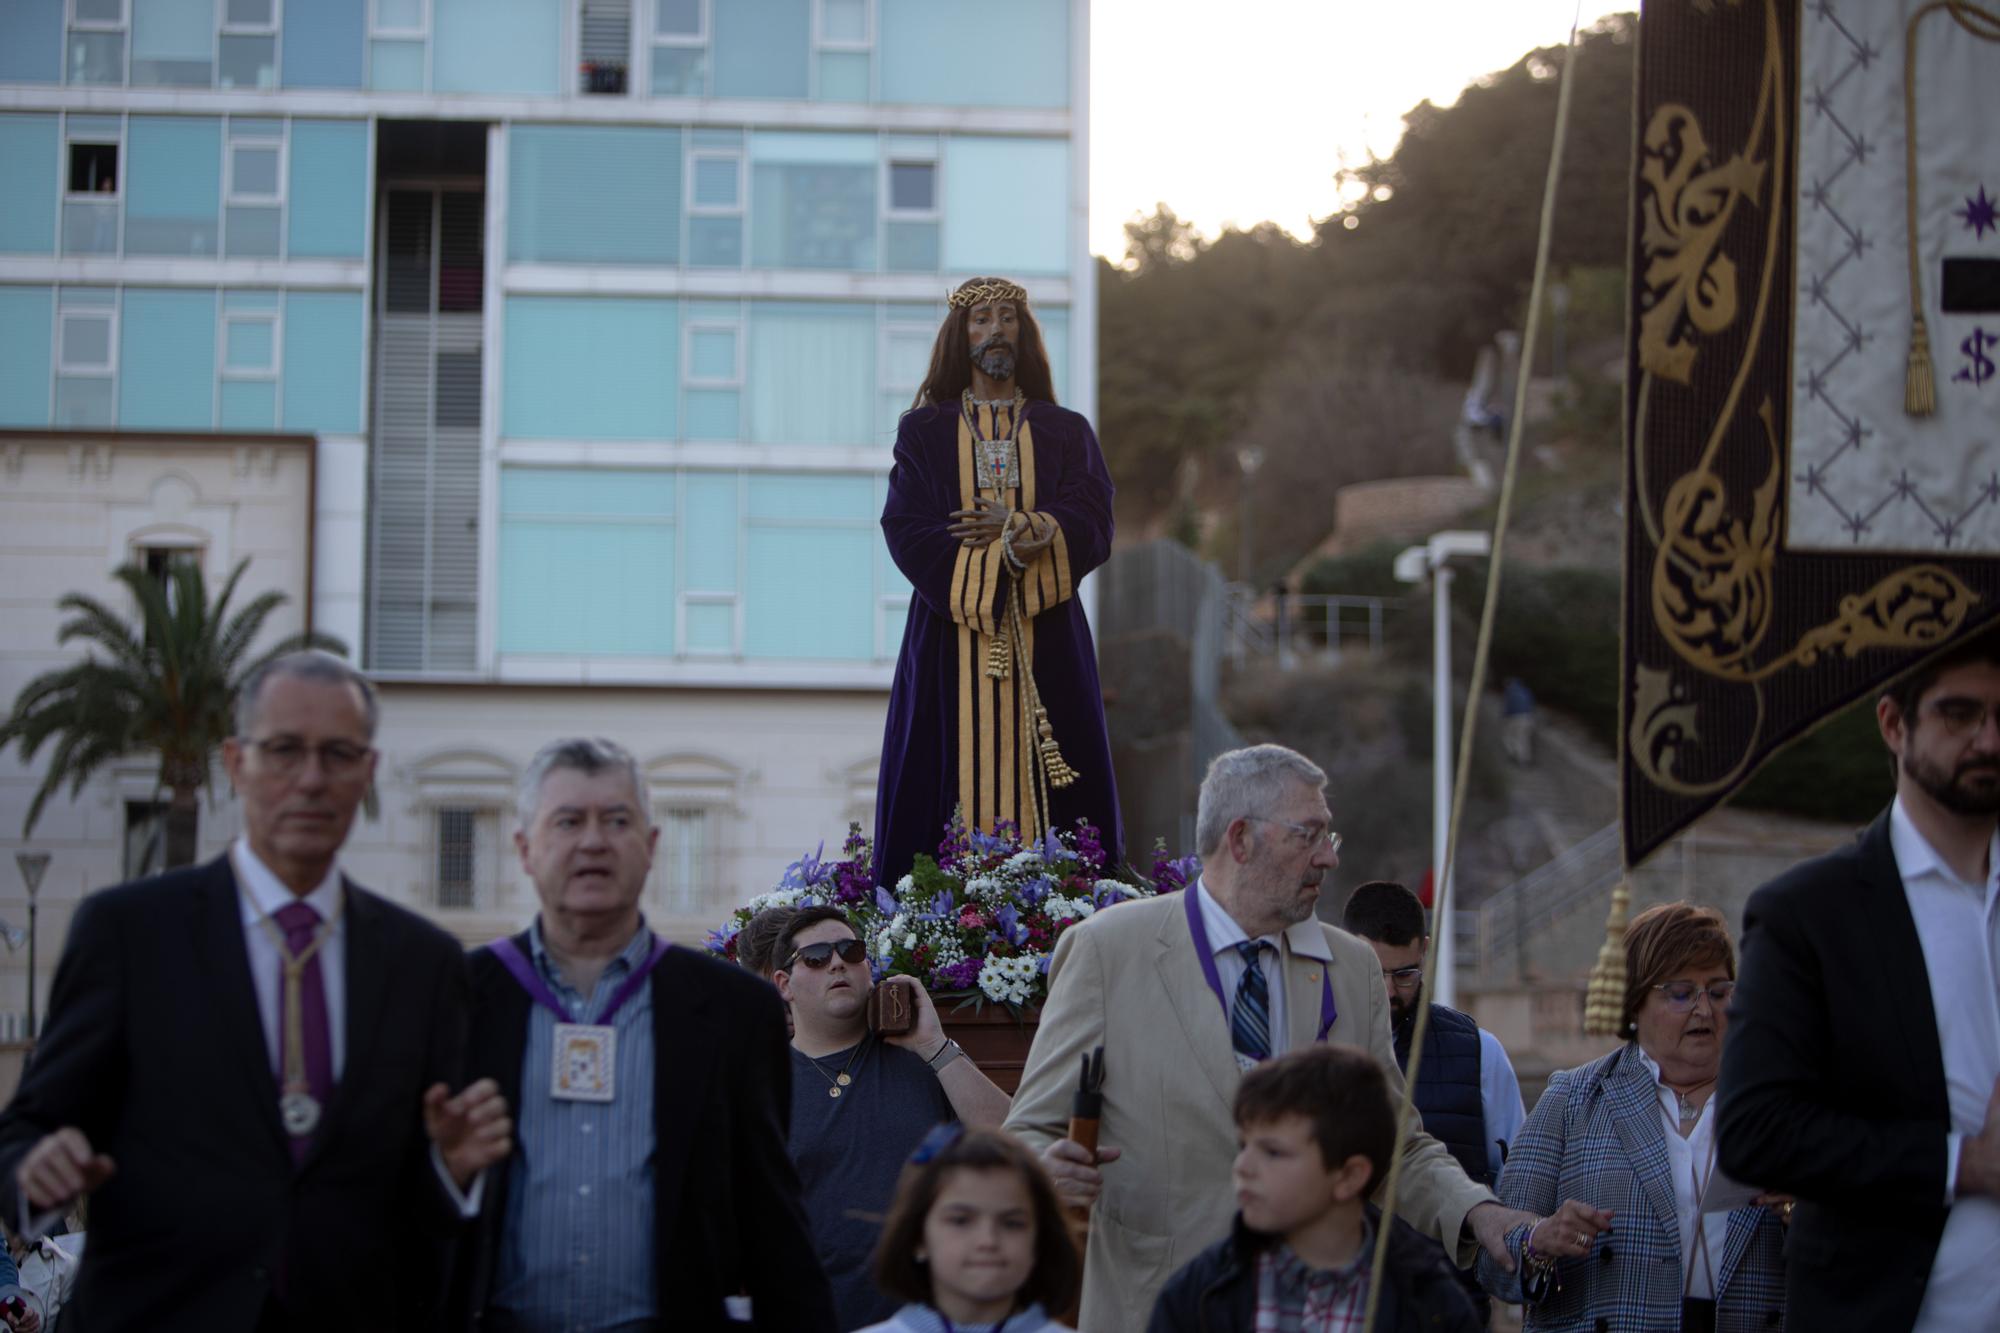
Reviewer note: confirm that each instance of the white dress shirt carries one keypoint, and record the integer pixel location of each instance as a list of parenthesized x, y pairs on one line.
[(263, 893), (1957, 926), (1692, 1160), (1223, 937)]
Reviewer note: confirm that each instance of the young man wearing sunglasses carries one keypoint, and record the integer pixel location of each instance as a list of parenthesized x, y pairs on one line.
[(862, 1103)]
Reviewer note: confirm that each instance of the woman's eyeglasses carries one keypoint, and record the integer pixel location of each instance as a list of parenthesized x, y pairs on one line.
[(1680, 995), (819, 955)]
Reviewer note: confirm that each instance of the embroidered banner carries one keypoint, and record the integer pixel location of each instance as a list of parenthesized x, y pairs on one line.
[(1804, 520)]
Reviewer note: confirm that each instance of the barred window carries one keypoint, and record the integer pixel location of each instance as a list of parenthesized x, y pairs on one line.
[(684, 859), (457, 859)]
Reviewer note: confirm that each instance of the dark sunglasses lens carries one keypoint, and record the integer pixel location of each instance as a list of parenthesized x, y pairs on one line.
[(819, 955)]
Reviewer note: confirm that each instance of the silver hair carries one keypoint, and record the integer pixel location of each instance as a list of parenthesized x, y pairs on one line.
[(586, 755), (1248, 783), (306, 664)]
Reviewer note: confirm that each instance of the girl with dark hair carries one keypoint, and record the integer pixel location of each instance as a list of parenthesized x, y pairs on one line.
[(998, 505), (976, 1241)]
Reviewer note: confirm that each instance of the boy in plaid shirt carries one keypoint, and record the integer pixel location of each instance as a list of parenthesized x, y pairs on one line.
[(1316, 1128)]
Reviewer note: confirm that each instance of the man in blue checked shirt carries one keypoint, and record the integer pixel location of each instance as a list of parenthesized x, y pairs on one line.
[(649, 1187)]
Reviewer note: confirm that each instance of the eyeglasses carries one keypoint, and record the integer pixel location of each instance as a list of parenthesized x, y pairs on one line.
[(819, 955), (1963, 717), (1404, 978), (1311, 833), (287, 755), (1680, 995)]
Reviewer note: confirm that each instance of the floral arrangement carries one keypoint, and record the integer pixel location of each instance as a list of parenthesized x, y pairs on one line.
[(978, 922)]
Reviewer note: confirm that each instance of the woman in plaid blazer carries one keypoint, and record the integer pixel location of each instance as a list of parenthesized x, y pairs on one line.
[(1628, 1142)]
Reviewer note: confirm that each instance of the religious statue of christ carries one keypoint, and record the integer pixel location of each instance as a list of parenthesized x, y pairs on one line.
[(999, 504)]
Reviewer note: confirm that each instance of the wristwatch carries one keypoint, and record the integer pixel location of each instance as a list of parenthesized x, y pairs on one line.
[(946, 1053)]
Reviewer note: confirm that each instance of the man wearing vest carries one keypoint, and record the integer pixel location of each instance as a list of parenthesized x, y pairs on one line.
[(1466, 1089)]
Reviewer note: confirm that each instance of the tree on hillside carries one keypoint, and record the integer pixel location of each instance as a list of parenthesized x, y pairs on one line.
[(167, 686)]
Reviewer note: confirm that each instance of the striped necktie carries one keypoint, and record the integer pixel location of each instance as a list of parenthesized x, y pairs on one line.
[(1250, 1016)]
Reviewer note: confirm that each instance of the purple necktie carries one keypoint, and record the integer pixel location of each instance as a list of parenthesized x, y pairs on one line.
[(300, 924)]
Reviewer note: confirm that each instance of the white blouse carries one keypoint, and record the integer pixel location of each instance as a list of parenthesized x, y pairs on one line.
[(1692, 1160)]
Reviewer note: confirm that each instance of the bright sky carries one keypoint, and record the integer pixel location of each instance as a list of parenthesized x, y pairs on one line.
[(1241, 112)]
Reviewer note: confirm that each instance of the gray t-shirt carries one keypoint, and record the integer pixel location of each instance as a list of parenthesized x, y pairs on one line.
[(850, 1149)]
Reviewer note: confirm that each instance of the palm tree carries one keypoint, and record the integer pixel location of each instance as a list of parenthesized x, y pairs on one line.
[(168, 686)]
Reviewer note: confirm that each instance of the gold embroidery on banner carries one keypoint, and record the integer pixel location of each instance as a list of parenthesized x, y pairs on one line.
[(1687, 209), (1663, 724)]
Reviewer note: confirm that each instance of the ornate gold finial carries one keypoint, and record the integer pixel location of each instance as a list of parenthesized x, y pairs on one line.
[(976, 293), (1604, 1004)]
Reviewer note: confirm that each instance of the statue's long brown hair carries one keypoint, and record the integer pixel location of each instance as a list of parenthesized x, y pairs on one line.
[(950, 374)]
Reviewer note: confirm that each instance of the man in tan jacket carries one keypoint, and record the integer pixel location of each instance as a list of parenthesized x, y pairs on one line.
[(1169, 988)]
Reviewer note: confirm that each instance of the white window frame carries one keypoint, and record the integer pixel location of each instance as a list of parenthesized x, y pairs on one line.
[(707, 863), (274, 318), (122, 24), (109, 313), (227, 28), (88, 139), (654, 37), (728, 599), (864, 44), (688, 376), (485, 845), (377, 29), (736, 155), (233, 197), (891, 213)]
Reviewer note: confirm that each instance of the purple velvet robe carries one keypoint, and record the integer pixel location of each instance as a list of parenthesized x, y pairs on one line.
[(955, 736)]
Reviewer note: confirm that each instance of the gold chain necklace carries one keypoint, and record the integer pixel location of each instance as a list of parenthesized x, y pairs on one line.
[(842, 1080), (297, 1107)]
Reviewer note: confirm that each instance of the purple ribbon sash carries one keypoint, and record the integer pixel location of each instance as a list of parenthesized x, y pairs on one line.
[(1327, 1012), (516, 962)]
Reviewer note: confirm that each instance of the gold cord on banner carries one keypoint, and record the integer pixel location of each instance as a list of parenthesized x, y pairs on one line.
[(1920, 375), (1482, 651)]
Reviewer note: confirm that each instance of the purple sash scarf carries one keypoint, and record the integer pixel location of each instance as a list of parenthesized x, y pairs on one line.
[(1327, 1013), (516, 962)]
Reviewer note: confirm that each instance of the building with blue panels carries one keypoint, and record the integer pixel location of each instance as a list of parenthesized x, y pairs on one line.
[(599, 315)]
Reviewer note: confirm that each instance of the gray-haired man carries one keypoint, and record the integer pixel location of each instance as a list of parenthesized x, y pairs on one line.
[(1187, 991), (653, 1086)]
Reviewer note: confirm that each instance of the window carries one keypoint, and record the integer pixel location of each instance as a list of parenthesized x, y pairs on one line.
[(715, 200), (397, 33), (86, 357), (842, 38), (680, 48), (828, 525), (910, 224), (91, 189), (145, 838), (250, 345), (604, 46), (247, 51), (251, 341), (159, 562), (904, 358), (172, 185), (712, 370), (253, 185), (173, 43), (813, 200), (684, 859), (711, 532), (95, 52), (457, 856)]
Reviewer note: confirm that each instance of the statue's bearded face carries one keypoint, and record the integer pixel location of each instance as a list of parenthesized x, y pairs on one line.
[(994, 330)]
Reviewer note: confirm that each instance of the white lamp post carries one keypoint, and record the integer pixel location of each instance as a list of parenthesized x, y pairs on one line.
[(1432, 562)]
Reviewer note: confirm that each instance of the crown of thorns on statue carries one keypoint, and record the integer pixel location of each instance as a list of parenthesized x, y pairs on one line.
[(977, 293)]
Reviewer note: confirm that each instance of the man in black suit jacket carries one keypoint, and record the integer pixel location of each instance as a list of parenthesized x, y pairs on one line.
[(1861, 1070), (652, 1188), (159, 1078)]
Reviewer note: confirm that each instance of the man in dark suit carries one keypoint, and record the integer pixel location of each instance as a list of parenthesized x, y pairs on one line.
[(651, 1189), (1861, 1069), (242, 1060)]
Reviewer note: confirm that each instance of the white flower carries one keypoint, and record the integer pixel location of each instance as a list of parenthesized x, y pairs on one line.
[(1119, 887), (985, 888), (1060, 908), (1027, 860), (1009, 980), (905, 884), (910, 940)]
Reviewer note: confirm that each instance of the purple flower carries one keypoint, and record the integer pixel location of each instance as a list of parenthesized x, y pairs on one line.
[(988, 844), (1089, 843), (1008, 921), (1042, 963), (720, 939), (1053, 849), (885, 902), (962, 975), (942, 907), (1033, 891)]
